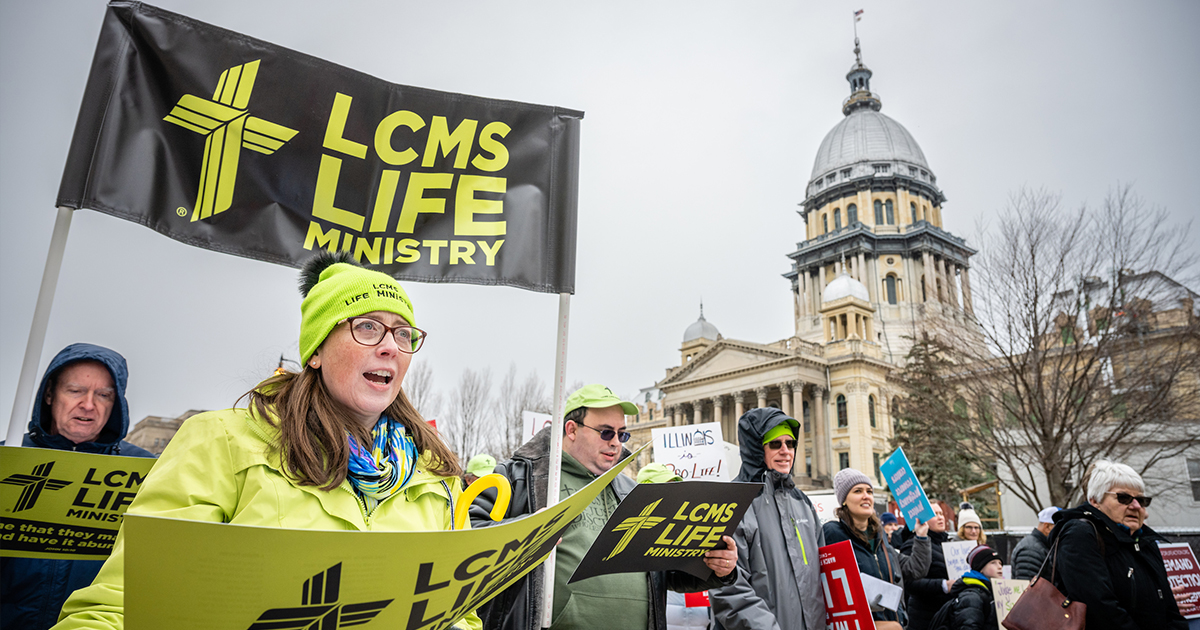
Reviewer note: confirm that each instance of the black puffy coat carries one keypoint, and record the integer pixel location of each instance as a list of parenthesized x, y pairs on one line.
[(1119, 575), (925, 595), (972, 607), (1029, 555), (879, 560)]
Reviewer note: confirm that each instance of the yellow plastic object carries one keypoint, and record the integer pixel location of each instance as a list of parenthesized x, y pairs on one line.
[(503, 496)]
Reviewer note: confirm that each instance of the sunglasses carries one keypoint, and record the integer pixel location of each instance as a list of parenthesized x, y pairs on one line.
[(1126, 499), (608, 434), (775, 445)]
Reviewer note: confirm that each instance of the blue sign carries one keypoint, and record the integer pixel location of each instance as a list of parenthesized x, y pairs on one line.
[(906, 489)]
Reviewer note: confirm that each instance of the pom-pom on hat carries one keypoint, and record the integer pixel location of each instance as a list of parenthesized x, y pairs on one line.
[(845, 480), (335, 288), (981, 556)]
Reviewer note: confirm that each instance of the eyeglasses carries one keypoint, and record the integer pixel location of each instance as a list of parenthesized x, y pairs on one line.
[(369, 332), (1125, 499), (608, 434), (775, 445)]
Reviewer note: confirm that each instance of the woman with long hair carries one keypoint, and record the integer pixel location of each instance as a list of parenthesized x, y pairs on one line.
[(336, 446), (858, 523), (970, 527)]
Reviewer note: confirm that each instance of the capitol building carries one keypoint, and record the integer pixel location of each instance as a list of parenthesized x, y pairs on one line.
[(875, 270)]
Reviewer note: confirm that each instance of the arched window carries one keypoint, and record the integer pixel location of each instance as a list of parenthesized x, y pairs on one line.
[(878, 212), (913, 206), (824, 223), (889, 285), (871, 409), (851, 214), (843, 417), (891, 215), (837, 218)]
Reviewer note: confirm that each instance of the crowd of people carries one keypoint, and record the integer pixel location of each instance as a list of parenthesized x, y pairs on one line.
[(337, 445)]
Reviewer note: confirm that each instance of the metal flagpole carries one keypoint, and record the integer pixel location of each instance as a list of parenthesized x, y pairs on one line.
[(556, 433), (37, 330)]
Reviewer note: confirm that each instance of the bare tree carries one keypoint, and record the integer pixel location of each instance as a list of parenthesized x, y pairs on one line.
[(513, 399), (418, 386), (1091, 346), (470, 425)]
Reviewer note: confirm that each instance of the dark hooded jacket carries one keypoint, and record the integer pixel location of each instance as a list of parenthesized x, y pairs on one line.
[(971, 608), (1029, 555), (518, 606), (925, 595), (34, 589), (778, 583), (1119, 574)]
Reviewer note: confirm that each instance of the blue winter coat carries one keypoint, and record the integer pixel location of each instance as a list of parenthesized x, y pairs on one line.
[(34, 589)]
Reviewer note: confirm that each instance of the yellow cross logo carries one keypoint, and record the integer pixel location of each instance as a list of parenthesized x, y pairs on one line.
[(229, 128), (631, 526)]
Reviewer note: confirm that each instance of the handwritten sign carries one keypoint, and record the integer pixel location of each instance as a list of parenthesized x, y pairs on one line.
[(668, 526), (535, 422), (1005, 594), (1182, 570), (695, 451), (956, 557), (846, 606), (906, 489)]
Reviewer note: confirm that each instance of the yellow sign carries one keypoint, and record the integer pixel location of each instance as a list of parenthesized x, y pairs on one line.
[(64, 504), (240, 577)]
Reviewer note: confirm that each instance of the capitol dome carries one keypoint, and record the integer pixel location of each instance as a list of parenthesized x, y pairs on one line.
[(866, 136), (701, 329), (844, 286)]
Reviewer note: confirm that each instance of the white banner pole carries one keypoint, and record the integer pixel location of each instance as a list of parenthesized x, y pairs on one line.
[(556, 433), (37, 330)]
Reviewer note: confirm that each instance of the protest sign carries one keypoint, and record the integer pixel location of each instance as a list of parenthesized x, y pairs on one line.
[(1005, 593), (534, 422), (694, 451), (667, 526), (64, 504), (236, 145), (232, 576), (825, 505), (906, 488), (956, 557), (846, 606), (1182, 570)]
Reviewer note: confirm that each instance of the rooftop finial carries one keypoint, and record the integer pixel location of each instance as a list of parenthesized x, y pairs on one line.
[(860, 79), (701, 308)]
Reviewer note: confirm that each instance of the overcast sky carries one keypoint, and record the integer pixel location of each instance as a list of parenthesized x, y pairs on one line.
[(702, 123)]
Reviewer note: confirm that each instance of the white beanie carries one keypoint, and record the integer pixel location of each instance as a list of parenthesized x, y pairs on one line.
[(969, 516)]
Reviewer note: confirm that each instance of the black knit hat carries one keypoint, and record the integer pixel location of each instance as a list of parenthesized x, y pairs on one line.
[(981, 556)]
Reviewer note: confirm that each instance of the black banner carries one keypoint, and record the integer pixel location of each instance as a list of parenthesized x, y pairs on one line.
[(236, 145), (668, 526)]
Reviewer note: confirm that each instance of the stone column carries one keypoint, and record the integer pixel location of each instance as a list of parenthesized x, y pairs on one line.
[(676, 410), (739, 407), (952, 281), (930, 277), (762, 396), (785, 393), (697, 407), (820, 432), (797, 388), (966, 289), (860, 268), (872, 280), (820, 285), (718, 409)]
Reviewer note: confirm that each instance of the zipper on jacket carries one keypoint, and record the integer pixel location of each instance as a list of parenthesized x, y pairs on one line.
[(449, 502), (803, 553)]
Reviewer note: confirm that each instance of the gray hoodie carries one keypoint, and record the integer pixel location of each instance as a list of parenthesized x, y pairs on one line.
[(779, 567)]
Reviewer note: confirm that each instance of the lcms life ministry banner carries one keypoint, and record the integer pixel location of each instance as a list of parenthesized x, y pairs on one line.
[(236, 145)]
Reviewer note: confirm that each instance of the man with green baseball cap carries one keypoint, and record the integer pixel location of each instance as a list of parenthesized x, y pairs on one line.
[(480, 465), (594, 431)]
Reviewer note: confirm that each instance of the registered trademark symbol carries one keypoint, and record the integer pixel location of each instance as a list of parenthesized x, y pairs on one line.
[(181, 211)]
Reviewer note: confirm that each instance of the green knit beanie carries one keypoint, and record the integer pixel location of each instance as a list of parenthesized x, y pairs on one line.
[(346, 290), (783, 428)]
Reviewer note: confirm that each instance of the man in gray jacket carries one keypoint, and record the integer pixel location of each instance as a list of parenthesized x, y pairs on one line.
[(778, 585), (1027, 558)]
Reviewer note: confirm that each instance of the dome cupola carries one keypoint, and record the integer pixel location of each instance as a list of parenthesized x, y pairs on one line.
[(701, 329)]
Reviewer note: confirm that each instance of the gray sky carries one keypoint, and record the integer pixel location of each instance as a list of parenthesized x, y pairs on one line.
[(702, 122)]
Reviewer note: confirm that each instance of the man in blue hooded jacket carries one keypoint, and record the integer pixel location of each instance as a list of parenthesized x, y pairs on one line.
[(81, 407)]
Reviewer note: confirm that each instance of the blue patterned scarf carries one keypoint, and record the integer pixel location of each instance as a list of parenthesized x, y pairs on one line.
[(387, 468)]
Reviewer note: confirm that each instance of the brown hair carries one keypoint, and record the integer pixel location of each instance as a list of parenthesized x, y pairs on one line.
[(313, 426), (874, 525)]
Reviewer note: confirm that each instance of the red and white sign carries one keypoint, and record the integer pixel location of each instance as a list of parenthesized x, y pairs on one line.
[(846, 606), (1182, 570)]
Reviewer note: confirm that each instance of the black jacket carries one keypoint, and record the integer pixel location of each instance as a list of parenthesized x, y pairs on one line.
[(1118, 575), (33, 589), (925, 595), (879, 560), (972, 607), (1029, 555), (518, 607)]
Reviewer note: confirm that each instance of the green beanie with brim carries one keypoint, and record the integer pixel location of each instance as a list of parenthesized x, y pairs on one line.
[(787, 427), (656, 473), (342, 291)]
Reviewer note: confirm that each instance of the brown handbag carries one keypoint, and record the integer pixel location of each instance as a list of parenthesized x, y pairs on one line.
[(1043, 607)]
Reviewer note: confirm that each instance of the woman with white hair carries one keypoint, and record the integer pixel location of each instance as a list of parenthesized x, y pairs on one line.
[(1107, 558)]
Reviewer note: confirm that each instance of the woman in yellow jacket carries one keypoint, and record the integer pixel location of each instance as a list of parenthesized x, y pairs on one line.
[(335, 446)]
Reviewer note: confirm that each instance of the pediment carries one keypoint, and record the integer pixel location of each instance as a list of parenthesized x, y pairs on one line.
[(724, 357)]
